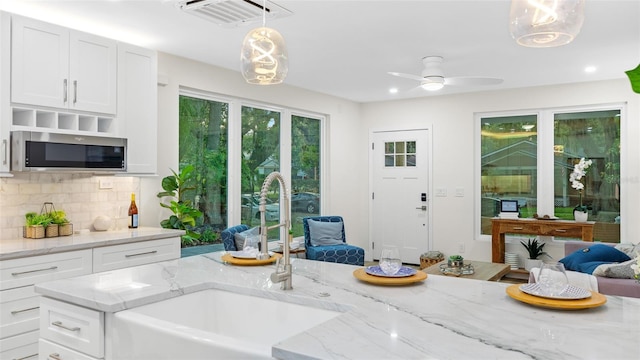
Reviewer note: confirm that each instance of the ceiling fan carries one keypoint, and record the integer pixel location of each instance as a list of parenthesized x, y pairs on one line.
[(433, 78)]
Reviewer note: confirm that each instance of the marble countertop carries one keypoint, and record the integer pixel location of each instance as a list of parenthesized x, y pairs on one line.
[(440, 318), (19, 248)]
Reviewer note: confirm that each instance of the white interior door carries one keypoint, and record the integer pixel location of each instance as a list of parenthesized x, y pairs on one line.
[(400, 195)]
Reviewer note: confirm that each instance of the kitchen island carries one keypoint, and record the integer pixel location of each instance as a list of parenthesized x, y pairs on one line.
[(440, 318)]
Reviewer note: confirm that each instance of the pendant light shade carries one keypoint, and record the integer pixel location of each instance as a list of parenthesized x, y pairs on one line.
[(264, 57), (546, 23)]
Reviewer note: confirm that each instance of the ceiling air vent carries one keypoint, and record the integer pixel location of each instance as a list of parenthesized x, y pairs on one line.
[(231, 13)]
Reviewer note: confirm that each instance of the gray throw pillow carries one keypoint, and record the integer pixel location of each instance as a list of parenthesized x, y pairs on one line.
[(241, 237), (630, 249), (325, 233), (621, 270)]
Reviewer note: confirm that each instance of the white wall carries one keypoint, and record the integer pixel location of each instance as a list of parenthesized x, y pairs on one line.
[(350, 123), (452, 120), (347, 170)]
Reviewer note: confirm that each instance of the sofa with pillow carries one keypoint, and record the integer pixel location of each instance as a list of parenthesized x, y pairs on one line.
[(229, 237), (609, 264), (324, 239)]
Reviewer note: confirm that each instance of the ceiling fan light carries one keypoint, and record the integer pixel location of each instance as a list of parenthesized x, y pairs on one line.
[(432, 83), (263, 58), (546, 23)]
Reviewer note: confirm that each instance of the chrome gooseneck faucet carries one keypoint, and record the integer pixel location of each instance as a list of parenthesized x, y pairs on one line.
[(281, 275)]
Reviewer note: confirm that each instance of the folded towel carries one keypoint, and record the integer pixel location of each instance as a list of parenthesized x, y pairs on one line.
[(250, 251), (581, 280)]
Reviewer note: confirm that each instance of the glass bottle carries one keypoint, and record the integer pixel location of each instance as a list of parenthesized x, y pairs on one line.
[(133, 213)]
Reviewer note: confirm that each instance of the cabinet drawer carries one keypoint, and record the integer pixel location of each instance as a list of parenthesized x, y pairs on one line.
[(52, 351), (35, 269), (521, 228), (20, 347), (72, 326), (562, 231), (133, 254), (19, 311)]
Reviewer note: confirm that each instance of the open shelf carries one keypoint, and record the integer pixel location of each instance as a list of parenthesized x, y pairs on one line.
[(52, 120)]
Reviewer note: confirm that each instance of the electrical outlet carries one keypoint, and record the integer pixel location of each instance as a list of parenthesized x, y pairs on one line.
[(106, 184), (461, 248), (442, 192)]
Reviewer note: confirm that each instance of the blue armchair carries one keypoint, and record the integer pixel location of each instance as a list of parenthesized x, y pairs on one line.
[(228, 236), (338, 252)]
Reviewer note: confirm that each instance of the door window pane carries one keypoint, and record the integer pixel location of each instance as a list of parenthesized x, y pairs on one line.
[(260, 157), (203, 144), (305, 170), (594, 136), (508, 165), (405, 154)]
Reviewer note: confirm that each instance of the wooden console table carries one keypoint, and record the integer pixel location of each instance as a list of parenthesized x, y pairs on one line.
[(562, 228)]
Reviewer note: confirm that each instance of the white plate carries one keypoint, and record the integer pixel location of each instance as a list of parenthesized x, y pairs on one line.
[(377, 271), (572, 292)]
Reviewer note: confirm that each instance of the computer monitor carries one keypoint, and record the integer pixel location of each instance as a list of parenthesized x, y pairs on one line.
[(509, 206)]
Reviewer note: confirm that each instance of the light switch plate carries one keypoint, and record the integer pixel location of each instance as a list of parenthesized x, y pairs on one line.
[(459, 192), (442, 192)]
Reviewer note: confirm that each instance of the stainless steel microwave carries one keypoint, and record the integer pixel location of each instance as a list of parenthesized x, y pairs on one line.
[(41, 151)]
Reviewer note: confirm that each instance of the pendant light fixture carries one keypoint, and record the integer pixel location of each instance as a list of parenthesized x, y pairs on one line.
[(546, 23), (264, 57)]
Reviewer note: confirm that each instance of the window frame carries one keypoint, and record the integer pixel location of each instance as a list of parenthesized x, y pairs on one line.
[(545, 156), (234, 143)]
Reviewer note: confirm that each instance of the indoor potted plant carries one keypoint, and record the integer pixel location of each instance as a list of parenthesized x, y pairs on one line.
[(59, 217), (455, 261), (535, 250), (580, 212), (185, 215), (36, 224)]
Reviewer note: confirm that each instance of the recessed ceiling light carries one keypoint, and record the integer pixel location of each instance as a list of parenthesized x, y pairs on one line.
[(393, 91), (590, 69)]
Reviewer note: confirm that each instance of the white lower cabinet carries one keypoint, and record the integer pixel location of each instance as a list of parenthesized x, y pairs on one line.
[(36, 269), (20, 347), (53, 351), (66, 331), (19, 311), (20, 305), (73, 327), (134, 254)]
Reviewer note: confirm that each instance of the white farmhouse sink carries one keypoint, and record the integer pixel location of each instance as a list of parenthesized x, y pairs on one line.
[(210, 324)]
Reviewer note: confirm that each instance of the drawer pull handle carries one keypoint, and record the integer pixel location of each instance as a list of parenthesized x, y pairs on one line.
[(60, 325), (55, 356), (140, 254), (32, 271), (518, 228), (27, 357), (561, 230), (24, 310)]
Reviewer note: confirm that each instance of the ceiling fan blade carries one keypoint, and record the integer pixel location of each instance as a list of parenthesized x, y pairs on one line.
[(406, 76), (472, 80)]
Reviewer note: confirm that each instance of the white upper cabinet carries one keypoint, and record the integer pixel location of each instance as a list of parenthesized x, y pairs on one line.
[(57, 67), (5, 89), (92, 72), (137, 106)]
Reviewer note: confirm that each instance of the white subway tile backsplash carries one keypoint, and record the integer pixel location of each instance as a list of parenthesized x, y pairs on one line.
[(79, 195)]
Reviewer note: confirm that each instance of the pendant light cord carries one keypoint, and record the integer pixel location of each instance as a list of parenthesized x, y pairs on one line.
[(264, 13)]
